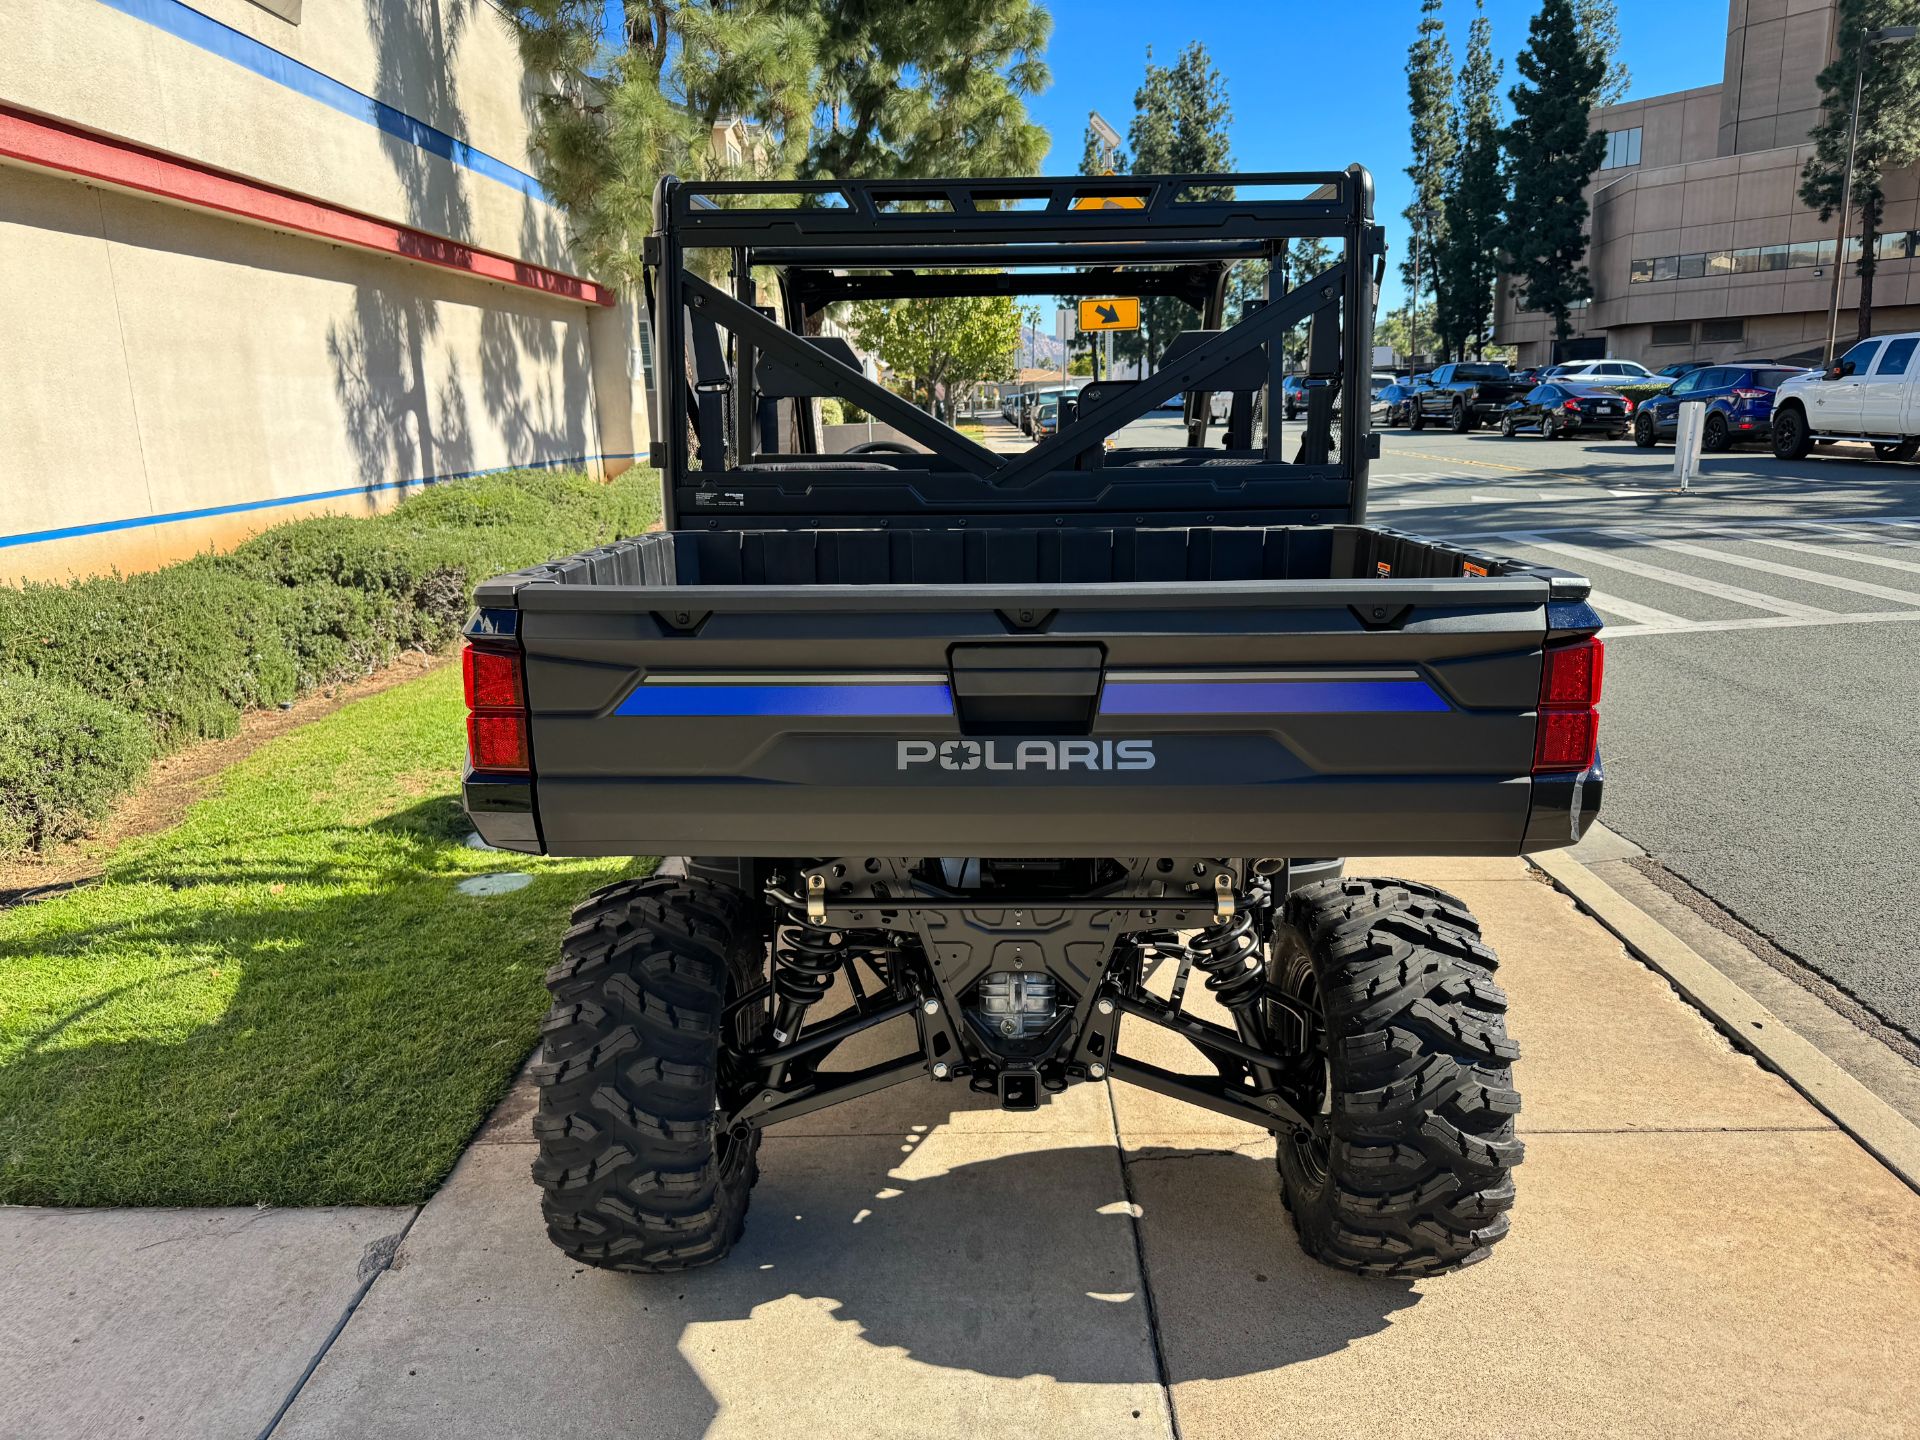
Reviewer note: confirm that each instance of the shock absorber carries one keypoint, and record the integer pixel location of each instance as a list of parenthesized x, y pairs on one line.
[(1230, 953), (805, 958)]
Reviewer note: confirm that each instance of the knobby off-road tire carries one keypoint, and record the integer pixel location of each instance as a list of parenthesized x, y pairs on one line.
[(1414, 1176), (634, 1172)]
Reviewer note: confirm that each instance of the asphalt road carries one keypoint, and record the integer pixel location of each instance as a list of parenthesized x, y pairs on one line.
[(1763, 668)]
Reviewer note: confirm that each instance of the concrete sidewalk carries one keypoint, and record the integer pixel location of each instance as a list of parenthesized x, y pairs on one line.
[(1695, 1251)]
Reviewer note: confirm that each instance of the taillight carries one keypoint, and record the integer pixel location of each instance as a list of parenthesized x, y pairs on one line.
[(496, 709), (1629, 400), (1567, 736), (1752, 394), (1571, 405)]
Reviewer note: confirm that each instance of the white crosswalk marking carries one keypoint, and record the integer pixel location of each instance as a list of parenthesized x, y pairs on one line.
[(1771, 567), (1636, 614), (1831, 552), (1679, 580)]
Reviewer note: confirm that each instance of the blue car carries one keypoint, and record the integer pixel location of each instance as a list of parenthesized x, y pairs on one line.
[(1739, 401)]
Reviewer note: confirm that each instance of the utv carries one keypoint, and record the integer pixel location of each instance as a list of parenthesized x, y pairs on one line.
[(999, 747)]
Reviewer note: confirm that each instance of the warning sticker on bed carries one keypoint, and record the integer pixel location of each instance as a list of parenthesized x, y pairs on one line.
[(1381, 567), (1467, 567)]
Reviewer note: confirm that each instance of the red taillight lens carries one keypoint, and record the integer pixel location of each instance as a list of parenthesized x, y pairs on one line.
[(492, 679), (1571, 405), (497, 742), (1572, 674), (496, 701), (1629, 400), (1566, 740), (1567, 734), (1752, 394)]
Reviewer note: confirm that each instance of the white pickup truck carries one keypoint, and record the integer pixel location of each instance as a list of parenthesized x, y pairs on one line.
[(1871, 393)]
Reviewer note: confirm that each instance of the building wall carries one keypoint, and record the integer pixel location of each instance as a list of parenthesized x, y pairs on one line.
[(180, 375), (1719, 172), (1776, 50)]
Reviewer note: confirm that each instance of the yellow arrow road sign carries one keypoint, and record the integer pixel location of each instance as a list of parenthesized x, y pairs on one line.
[(1109, 315)]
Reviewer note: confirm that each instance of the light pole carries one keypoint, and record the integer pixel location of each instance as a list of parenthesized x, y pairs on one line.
[(1885, 35)]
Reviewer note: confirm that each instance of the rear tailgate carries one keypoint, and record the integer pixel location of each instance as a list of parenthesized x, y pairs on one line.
[(1284, 718)]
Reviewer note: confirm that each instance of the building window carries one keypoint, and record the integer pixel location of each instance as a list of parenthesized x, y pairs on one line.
[(1623, 148), (1722, 332), (1673, 334), (1893, 247), (1757, 259)]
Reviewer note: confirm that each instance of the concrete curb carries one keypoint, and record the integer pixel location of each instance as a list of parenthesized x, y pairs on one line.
[(1887, 1135)]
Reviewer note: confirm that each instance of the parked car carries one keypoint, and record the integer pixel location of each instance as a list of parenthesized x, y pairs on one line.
[(1293, 393), (1528, 375), (1871, 393), (1393, 405), (1605, 372), (1680, 368), (1739, 401), (1046, 420), (1561, 409), (1465, 394)]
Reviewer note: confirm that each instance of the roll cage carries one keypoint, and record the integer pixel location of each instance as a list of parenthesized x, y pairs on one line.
[(737, 438)]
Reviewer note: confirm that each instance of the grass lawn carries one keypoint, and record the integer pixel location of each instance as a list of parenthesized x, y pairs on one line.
[(282, 1000)]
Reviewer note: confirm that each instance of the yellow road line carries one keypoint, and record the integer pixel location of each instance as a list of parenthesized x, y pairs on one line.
[(1484, 464)]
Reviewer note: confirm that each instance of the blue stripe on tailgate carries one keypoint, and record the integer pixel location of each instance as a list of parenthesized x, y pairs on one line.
[(872, 701), (1269, 697)]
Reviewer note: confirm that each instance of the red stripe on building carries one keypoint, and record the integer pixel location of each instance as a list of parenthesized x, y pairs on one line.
[(51, 145)]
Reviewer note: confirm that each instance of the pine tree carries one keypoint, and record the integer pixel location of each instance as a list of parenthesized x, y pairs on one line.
[(930, 87), (1180, 126), (1432, 130), (1889, 125), (1552, 151), (1467, 264), (834, 88), (1599, 25)]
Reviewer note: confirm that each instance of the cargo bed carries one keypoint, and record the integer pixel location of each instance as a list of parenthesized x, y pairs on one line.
[(1286, 691)]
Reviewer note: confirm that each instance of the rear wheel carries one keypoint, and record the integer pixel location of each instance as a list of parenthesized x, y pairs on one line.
[(1715, 436), (1791, 437), (639, 1064), (1462, 419), (1407, 1078), (1549, 426), (1898, 450)]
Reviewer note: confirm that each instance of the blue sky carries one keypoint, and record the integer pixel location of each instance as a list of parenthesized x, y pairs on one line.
[(1317, 84)]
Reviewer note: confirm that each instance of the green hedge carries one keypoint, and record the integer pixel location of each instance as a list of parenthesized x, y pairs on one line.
[(98, 676), (64, 757)]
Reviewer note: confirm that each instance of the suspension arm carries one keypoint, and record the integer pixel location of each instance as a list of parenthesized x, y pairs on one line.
[(769, 1107), (1269, 1112), (825, 1037)]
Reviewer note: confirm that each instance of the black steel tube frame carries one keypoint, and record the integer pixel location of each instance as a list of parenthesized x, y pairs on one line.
[(818, 228), (782, 1100)]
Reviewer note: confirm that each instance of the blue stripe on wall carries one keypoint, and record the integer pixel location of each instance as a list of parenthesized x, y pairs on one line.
[(1268, 697), (140, 522), (877, 700), (185, 23)]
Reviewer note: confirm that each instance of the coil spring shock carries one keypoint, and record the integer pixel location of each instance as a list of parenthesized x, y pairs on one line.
[(1229, 952), (806, 957)]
